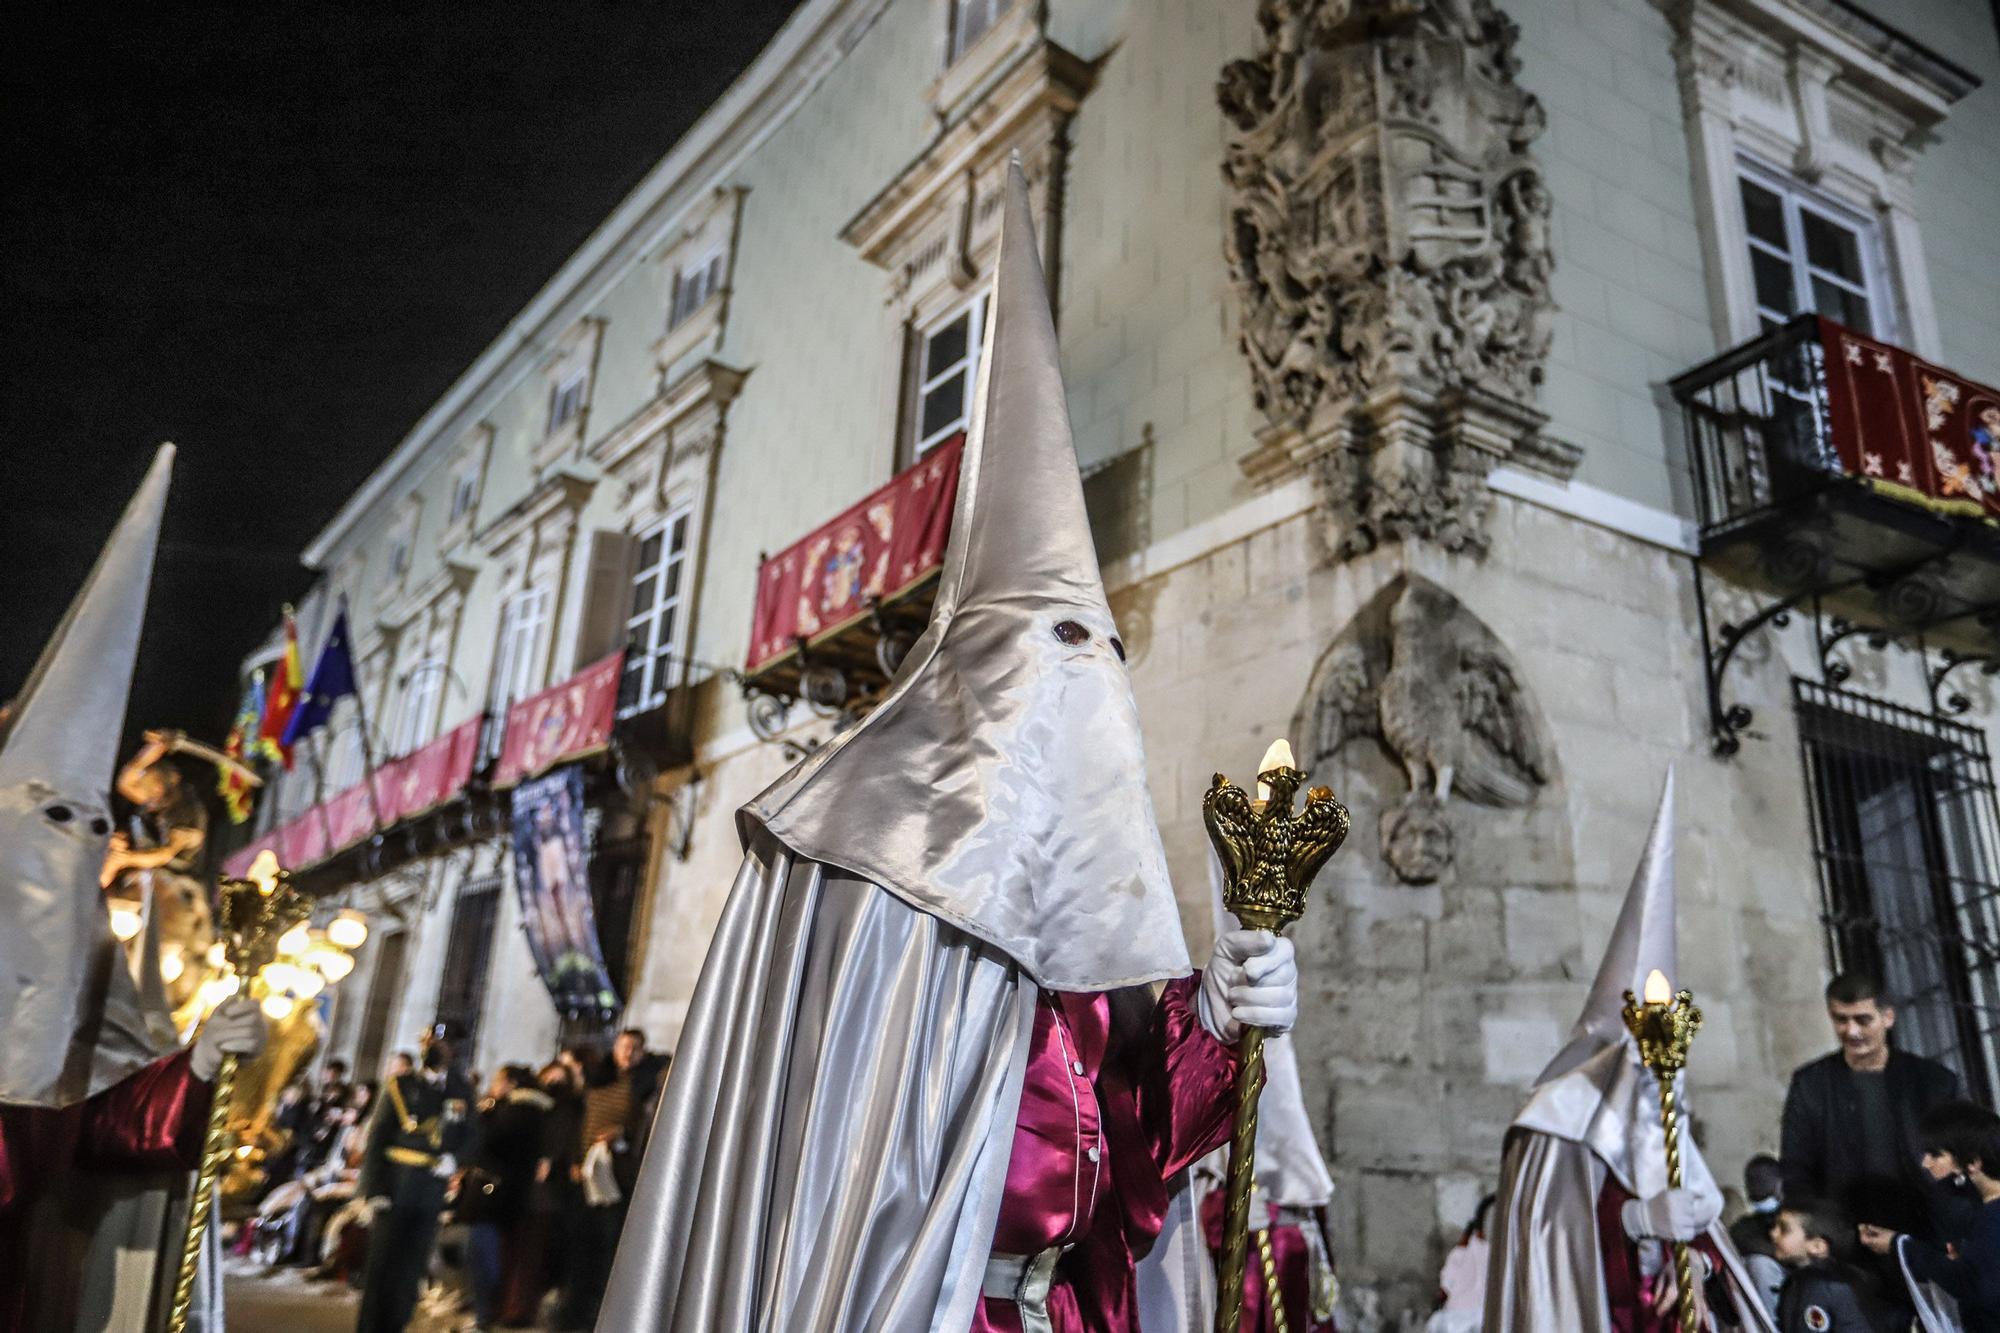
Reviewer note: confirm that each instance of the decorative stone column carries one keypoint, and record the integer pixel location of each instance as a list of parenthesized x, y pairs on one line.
[(1389, 241)]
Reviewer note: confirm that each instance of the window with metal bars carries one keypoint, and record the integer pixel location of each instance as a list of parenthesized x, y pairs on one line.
[(1905, 833), (468, 955)]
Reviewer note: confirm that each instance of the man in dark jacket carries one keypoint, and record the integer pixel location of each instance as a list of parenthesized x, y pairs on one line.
[(1850, 1127), (422, 1128), (494, 1195)]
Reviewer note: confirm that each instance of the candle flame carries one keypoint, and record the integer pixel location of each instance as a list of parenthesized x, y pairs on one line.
[(1658, 989), (1278, 756), (264, 871)]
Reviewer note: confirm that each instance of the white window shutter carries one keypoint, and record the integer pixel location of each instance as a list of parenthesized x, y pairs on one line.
[(607, 595)]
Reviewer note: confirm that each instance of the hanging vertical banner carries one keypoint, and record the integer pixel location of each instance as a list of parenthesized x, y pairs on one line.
[(551, 873)]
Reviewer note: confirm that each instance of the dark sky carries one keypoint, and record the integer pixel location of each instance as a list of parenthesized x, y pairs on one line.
[(274, 234)]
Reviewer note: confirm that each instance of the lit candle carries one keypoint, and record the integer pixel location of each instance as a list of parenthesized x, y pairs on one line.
[(264, 871), (124, 922), (1278, 756), (348, 930), (1658, 989)]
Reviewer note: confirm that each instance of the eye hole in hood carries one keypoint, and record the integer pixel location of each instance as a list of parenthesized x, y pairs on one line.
[(1072, 633)]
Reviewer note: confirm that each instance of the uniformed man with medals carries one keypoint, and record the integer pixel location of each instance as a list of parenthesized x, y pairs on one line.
[(422, 1128)]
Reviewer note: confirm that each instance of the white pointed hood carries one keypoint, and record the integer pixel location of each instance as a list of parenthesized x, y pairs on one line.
[(1595, 1091), (1643, 940), (1001, 784), (70, 1020)]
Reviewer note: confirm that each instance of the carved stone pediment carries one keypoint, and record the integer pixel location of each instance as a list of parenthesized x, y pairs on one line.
[(1389, 242)]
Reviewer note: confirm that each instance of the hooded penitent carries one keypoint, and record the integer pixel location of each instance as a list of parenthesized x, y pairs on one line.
[(1594, 1114), (832, 1147), (70, 1019)]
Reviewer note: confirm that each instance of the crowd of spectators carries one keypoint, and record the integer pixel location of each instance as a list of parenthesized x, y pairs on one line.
[(522, 1232)]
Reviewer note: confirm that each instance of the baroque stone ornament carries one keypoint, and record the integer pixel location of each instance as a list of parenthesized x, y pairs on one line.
[(1389, 242), (1419, 674)]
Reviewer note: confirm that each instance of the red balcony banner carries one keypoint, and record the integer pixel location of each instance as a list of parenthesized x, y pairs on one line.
[(1912, 429), (420, 782), (405, 787), (563, 722), (877, 548)]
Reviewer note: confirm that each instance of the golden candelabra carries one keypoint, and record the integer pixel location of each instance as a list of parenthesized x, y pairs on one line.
[(1270, 854), (254, 914), (1664, 1029)]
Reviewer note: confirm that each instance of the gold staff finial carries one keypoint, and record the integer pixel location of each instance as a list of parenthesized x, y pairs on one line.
[(1663, 1024), (1269, 854)]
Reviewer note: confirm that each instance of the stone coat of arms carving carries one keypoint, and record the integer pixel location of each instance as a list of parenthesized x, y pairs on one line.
[(1389, 242)]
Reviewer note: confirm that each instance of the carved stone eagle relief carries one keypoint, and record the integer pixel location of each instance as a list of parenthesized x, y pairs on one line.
[(1419, 674)]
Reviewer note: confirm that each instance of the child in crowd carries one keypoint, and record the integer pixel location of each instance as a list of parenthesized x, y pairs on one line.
[(1960, 1142), (1825, 1290), (1751, 1232)]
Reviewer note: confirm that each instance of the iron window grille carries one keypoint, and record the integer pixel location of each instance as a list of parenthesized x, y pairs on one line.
[(1905, 835)]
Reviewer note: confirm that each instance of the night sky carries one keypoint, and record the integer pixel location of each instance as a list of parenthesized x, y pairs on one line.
[(275, 234)]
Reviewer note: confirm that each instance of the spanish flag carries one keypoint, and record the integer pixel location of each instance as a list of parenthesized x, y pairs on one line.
[(238, 793), (281, 699)]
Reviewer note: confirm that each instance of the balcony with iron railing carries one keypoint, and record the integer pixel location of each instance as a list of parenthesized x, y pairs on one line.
[(838, 608), (1825, 459), (1848, 480)]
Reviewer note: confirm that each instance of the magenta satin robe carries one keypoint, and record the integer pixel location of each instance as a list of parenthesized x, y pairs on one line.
[(1290, 1255), (1098, 1135), (152, 1121)]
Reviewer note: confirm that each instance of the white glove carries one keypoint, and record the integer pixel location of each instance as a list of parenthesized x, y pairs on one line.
[(446, 1166), (235, 1028), (1668, 1215), (1252, 980)]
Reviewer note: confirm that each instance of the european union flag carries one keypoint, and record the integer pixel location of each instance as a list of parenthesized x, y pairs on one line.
[(332, 678)]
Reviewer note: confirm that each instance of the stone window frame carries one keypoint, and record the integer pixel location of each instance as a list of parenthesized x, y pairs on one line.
[(915, 444), (1843, 101), (708, 235), (677, 606), (534, 546), (400, 543), (935, 226), (574, 362), (467, 473), (965, 68), (420, 628), (1877, 284)]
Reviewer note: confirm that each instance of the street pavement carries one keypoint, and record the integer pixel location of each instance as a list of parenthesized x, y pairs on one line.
[(280, 1300)]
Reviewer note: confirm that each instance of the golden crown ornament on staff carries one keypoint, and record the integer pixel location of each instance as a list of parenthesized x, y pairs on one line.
[(1664, 1024), (1270, 854), (255, 915)]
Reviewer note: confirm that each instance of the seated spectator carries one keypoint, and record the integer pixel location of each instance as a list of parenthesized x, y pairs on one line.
[(1751, 1232), (1826, 1291), (1960, 1140)]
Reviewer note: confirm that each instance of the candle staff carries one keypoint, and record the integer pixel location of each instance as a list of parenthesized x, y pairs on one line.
[(1590, 1208), (1270, 855)]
